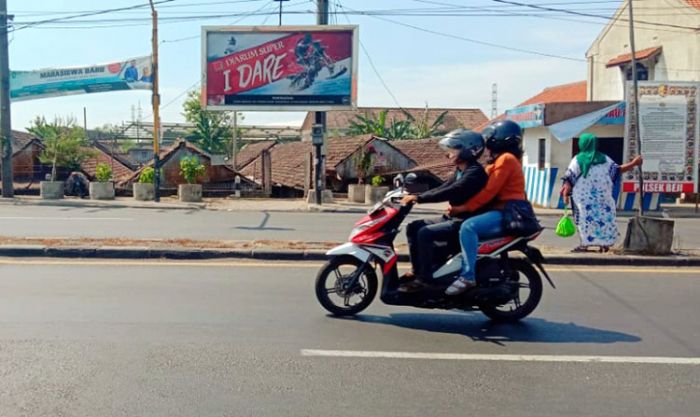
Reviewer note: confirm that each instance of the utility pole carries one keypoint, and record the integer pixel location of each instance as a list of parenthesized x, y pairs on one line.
[(8, 190), (635, 106), (155, 98), (494, 100), (234, 142), (280, 1), (319, 116)]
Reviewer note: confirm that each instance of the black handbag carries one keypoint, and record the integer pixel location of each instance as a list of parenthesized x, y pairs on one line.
[(519, 218)]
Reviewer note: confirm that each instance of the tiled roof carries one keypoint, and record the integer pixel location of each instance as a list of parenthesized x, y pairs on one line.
[(21, 140), (287, 160), (566, 93), (455, 118), (252, 151), (339, 149), (119, 170), (625, 58), (693, 3), (427, 155)]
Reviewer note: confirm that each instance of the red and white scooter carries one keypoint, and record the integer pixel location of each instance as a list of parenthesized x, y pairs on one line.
[(508, 289)]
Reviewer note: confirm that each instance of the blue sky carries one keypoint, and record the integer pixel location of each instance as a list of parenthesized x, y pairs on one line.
[(417, 66)]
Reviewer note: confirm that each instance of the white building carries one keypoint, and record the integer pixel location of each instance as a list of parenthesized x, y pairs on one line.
[(668, 49)]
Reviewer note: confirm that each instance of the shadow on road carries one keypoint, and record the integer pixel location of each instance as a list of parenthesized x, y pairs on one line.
[(263, 225), (529, 330)]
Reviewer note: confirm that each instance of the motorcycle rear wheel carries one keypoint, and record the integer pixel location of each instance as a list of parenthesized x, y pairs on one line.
[(332, 280), (528, 278)]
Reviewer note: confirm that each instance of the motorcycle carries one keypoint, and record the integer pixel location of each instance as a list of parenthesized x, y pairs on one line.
[(508, 288)]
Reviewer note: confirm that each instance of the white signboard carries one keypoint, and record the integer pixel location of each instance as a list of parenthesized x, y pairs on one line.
[(668, 115)]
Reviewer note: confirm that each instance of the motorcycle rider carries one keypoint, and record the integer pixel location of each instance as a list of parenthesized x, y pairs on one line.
[(464, 147), (506, 183)]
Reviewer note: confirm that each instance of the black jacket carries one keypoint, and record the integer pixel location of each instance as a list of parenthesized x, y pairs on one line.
[(457, 191)]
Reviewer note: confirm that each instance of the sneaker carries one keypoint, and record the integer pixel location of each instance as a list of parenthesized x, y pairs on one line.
[(460, 285)]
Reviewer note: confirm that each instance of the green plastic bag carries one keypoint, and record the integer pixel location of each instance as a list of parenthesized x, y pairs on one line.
[(566, 226)]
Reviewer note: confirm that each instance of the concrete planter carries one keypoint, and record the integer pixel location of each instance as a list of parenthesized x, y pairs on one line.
[(373, 195), (649, 236), (356, 193), (102, 190), (51, 190), (190, 193), (326, 196), (144, 191)]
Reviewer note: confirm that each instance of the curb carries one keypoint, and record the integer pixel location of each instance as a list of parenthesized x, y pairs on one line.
[(131, 252), (98, 204)]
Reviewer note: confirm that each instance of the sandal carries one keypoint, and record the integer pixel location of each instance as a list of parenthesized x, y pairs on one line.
[(460, 285), (579, 249), (412, 286), (408, 276), (604, 249)]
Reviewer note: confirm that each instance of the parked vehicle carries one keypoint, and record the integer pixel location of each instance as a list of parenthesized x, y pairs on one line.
[(508, 288)]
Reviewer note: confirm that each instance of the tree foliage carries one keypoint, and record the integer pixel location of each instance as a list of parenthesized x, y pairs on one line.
[(65, 144), (212, 131), (411, 128)]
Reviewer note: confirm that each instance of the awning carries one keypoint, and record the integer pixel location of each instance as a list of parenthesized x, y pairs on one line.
[(568, 129), (638, 55)]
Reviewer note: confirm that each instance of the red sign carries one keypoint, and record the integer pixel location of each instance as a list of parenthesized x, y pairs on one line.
[(272, 61), (659, 187)]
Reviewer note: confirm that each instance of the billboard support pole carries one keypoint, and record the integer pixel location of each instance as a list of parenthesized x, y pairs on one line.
[(8, 190), (155, 99), (635, 105), (320, 117)]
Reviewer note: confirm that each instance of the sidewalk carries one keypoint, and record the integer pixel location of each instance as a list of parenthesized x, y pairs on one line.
[(286, 205)]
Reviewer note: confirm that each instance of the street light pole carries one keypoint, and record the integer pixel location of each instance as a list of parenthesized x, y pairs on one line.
[(280, 2), (155, 99), (319, 116)]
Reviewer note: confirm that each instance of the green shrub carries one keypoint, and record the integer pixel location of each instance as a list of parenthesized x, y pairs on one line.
[(191, 168), (377, 180), (103, 172), (147, 175)]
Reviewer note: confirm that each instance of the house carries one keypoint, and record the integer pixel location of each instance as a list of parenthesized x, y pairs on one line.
[(663, 53), (291, 162), (121, 170), (251, 151), (216, 178), (26, 167), (432, 166), (338, 121)]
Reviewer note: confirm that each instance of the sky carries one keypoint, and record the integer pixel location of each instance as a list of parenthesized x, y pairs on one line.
[(443, 53)]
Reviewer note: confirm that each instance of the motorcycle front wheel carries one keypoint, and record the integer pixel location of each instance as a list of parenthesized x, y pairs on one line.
[(336, 291), (527, 285)]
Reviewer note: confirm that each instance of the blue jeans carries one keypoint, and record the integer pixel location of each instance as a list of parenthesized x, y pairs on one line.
[(484, 226)]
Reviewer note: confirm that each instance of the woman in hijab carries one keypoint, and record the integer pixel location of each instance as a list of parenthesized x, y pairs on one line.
[(589, 183)]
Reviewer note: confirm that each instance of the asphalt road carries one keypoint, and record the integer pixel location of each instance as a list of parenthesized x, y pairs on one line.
[(226, 339), (60, 222)]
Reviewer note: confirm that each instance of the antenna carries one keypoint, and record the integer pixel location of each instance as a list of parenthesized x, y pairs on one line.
[(494, 100)]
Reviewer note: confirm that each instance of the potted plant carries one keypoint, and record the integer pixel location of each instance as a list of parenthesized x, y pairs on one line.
[(144, 189), (375, 192), (65, 146), (103, 188), (190, 169), (363, 166)]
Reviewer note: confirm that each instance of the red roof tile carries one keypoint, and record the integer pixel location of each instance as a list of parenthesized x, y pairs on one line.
[(455, 118), (625, 58), (566, 93), (252, 151), (693, 3), (120, 171), (424, 152)]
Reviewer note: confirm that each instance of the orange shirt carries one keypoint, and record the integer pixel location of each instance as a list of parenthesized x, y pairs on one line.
[(506, 182)]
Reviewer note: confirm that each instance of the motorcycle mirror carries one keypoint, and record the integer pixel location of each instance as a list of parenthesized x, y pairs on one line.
[(398, 180)]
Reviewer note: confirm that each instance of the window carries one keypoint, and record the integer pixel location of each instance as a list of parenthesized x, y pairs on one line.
[(642, 72), (541, 153)]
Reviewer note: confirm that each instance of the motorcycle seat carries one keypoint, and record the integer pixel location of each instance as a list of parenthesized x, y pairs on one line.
[(492, 245)]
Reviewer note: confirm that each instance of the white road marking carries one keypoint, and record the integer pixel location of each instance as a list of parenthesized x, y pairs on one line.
[(503, 358), (64, 218)]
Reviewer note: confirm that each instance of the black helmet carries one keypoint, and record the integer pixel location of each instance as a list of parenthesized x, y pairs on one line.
[(470, 144), (503, 135)]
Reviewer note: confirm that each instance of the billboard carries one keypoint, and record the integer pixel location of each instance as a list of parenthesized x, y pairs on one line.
[(527, 116), (131, 74), (302, 68), (668, 127)]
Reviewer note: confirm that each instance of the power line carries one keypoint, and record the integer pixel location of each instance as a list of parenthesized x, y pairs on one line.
[(98, 12), (550, 9)]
